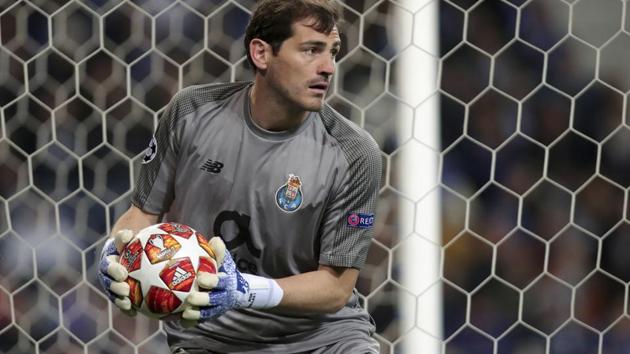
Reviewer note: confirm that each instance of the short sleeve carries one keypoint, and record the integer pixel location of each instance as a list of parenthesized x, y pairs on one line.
[(154, 189), (348, 224)]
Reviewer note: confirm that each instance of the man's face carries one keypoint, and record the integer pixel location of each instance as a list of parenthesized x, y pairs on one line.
[(303, 67)]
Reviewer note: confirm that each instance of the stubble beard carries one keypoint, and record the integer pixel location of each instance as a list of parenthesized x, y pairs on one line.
[(293, 101)]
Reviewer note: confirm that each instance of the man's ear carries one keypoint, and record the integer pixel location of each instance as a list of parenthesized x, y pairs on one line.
[(261, 52)]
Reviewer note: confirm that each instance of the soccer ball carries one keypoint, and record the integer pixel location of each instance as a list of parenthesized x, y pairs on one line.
[(162, 261)]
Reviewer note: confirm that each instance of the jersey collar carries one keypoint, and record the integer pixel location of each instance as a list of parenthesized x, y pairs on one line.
[(268, 134)]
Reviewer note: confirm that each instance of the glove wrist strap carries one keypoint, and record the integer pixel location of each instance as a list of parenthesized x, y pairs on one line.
[(263, 293)]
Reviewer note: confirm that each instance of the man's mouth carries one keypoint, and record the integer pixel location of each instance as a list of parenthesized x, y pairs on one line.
[(320, 87)]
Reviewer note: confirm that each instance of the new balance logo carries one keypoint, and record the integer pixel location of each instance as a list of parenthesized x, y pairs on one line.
[(212, 167)]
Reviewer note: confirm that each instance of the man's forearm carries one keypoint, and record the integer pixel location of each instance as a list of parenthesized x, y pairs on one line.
[(325, 290), (134, 219)]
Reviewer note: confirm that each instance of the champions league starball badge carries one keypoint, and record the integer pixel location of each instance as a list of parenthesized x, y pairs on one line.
[(289, 196), (150, 152)]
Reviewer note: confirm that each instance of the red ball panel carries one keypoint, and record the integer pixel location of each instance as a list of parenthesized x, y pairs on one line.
[(135, 292), (178, 274), (161, 247), (203, 242), (177, 229), (162, 301), (130, 257), (207, 265)]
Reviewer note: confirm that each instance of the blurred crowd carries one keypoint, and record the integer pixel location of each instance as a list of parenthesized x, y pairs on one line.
[(540, 167)]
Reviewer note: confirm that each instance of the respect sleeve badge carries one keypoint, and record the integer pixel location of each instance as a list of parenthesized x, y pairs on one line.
[(360, 220)]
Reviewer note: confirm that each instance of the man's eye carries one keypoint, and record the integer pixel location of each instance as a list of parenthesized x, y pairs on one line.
[(310, 51)]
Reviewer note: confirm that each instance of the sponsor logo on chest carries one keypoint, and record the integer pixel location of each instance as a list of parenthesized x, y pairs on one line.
[(212, 166)]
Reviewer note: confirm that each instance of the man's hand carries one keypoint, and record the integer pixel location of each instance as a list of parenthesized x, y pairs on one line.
[(226, 287), (112, 274), (229, 289)]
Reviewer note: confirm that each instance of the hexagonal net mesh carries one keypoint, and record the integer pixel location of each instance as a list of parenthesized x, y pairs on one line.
[(530, 156)]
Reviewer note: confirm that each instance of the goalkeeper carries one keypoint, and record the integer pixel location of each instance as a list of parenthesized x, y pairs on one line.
[(289, 185)]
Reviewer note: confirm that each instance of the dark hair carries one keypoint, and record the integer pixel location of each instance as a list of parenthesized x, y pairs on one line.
[(272, 20)]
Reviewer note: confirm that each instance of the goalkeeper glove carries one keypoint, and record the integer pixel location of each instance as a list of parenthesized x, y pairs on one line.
[(112, 274), (229, 289)]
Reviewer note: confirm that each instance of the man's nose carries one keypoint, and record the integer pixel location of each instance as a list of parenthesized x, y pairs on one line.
[(327, 66)]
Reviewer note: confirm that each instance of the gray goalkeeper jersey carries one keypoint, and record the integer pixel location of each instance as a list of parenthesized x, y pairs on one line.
[(283, 202)]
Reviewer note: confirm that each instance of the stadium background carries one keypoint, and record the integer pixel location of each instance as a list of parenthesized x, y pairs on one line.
[(531, 176)]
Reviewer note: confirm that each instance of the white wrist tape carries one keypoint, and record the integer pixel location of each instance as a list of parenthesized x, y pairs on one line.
[(263, 293)]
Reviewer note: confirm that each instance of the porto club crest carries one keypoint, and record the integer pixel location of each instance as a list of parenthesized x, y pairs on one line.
[(289, 196)]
